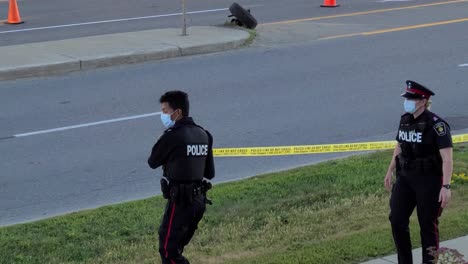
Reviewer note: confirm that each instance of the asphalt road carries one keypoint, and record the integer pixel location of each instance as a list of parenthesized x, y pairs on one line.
[(51, 13), (273, 93)]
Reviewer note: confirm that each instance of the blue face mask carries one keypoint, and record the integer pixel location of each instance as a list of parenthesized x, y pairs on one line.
[(167, 121), (410, 106)]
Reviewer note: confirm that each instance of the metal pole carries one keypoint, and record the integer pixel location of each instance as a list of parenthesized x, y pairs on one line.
[(184, 18)]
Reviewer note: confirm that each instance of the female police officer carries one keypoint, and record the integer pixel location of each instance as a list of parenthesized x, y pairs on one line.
[(423, 163)]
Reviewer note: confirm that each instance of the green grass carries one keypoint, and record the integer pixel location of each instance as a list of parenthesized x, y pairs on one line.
[(333, 212), (252, 32), (252, 36)]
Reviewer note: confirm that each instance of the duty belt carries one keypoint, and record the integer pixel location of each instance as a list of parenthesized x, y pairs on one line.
[(416, 163), (178, 191)]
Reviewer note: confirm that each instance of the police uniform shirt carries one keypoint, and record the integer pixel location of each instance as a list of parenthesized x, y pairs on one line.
[(185, 152), (427, 131)]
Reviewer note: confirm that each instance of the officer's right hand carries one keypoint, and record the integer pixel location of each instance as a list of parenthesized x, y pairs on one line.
[(388, 181)]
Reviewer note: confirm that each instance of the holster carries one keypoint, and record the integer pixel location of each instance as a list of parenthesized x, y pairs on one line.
[(205, 187), (165, 189)]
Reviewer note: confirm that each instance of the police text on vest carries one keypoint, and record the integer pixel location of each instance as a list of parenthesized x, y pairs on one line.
[(197, 150), (410, 136)]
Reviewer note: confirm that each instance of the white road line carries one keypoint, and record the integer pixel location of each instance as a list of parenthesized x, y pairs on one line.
[(383, 1), (463, 65), (112, 21), (86, 125)]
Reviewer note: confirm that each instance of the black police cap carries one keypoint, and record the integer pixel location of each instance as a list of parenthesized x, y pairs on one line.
[(415, 90)]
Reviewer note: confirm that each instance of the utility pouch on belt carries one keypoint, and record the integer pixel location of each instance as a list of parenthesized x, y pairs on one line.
[(407, 164), (174, 193), (205, 187), (402, 163), (166, 191), (398, 166)]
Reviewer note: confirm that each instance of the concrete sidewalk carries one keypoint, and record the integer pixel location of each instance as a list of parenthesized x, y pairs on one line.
[(55, 57), (460, 244)]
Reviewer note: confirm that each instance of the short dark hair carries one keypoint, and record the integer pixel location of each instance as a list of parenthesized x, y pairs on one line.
[(176, 100)]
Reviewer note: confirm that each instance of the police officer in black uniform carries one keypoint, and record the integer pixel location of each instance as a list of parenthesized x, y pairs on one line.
[(423, 163), (185, 153)]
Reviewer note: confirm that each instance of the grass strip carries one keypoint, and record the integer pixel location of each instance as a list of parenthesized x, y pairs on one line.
[(333, 212)]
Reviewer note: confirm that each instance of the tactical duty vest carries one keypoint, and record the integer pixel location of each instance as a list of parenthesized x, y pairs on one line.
[(419, 151)]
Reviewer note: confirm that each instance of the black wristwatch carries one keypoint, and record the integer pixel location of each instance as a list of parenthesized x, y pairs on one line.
[(447, 186)]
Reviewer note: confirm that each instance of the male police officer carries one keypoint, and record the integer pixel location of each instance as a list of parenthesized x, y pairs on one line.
[(423, 163), (185, 153)]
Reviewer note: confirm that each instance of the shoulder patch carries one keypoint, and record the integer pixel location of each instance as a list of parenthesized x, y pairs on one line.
[(440, 129)]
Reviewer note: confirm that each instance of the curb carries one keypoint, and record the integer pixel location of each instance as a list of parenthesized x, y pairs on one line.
[(70, 63), (127, 58), (40, 70)]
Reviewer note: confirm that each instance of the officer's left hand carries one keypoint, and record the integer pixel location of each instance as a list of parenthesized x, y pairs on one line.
[(444, 196)]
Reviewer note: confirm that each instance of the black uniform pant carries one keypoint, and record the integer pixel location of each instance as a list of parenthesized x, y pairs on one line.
[(423, 193), (177, 228)]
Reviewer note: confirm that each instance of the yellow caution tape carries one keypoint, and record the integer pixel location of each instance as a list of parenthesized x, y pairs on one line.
[(460, 138), (313, 149)]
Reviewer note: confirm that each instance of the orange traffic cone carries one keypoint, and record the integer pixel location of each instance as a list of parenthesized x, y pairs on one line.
[(329, 3), (13, 13)]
